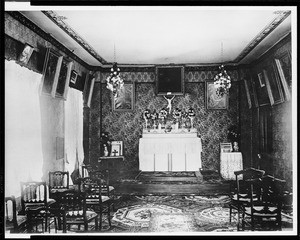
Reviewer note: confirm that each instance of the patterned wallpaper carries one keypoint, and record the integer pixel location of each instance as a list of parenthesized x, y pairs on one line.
[(212, 125)]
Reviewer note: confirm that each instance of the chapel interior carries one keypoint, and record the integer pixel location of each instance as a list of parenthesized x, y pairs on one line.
[(115, 109)]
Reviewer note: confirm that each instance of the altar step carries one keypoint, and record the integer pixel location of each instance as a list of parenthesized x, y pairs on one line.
[(204, 189), (173, 183), (169, 177)]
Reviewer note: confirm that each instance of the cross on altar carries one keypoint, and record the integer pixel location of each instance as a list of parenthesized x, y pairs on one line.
[(114, 152)]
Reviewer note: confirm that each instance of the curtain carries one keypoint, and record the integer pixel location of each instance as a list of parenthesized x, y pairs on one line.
[(23, 137), (74, 130)]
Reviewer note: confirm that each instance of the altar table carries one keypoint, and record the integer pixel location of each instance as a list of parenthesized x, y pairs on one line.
[(170, 152), (229, 163)]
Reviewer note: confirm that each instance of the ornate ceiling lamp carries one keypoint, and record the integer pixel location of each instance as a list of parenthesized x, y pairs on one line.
[(114, 82), (222, 81)]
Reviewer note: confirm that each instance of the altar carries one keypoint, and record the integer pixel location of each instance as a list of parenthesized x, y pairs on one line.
[(173, 151)]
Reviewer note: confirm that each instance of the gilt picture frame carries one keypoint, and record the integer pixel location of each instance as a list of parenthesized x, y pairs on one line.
[(275, 91), (124, 99), (213, 101), (62, 85), (248, 93), (51, 70), (283, 75)]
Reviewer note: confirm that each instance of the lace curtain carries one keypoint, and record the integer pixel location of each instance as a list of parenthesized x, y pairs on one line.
[(74, 130), (23, 139)]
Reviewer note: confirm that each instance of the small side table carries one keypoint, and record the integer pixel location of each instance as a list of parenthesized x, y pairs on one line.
[(114, 165), (230, 162)]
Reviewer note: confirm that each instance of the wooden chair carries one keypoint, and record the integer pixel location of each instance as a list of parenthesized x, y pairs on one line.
[(34, 196), (240, 192), (59, 184), (96, 173), (76, 212), (265, 214), (14, 223), (95, 199)]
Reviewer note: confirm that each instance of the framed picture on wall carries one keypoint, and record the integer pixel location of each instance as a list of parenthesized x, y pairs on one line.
[(284, 73), (252, 92), (212, 100), (261, 79), (63, 79), (51, 72), (26, 54), (116, 148), (275, 87), (261, 92), (73, 78), (124, 100), (248, 94), (88, 88)]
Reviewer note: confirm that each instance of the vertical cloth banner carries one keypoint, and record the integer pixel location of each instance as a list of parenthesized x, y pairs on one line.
[(74, 131), (23, 136)]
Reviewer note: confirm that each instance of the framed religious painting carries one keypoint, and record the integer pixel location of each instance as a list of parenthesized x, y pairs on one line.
[(88, 88), (248, 93), (51, 70), (283, 67), (262, 93), (62, 84), (26, 54), (124, 99), (275, 86), (212, 100)]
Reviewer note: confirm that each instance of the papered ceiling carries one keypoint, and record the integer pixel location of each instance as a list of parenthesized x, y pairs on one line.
[(165, 35)]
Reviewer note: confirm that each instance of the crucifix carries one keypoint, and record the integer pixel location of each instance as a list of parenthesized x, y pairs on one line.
[(169, 102), (115, 152)]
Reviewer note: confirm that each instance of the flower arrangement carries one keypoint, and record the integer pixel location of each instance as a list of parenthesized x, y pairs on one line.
[(177, 114), (163, 113), (146, 114), (233, 134), (105, 143)]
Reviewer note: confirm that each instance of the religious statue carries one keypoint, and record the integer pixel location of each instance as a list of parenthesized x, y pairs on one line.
[(169, 106)]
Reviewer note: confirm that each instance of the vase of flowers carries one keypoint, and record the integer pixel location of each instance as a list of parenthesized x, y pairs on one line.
[(147, 117), (233, 136)]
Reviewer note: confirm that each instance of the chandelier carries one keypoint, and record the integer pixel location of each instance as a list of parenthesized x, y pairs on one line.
[(222, 81), (114, 82)]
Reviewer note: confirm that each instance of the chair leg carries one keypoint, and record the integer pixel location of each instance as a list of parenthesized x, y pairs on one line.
[(230, 212), (100, 220), (108, 215), (96, 223)]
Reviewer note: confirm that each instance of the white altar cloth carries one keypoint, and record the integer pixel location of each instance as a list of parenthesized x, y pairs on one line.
[(170, 152)]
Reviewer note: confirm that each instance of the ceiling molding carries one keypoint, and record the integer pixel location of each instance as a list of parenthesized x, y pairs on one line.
[(32, 26), (281, 15), (58, 20)]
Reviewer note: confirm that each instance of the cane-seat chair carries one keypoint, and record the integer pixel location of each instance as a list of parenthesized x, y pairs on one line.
[(97, 174), (265, 214), (76, 211), (35, 197), (240, 192), (14, 222), (95, 199)]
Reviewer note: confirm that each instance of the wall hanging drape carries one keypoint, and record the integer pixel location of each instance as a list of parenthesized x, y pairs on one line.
[(23, 139), (74, 130)]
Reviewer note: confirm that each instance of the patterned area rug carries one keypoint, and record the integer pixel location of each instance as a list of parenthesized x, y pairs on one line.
[(140, 215), (176, 223), (173, 214)]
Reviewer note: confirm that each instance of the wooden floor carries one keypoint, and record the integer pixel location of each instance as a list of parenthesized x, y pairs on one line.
[(167, 185)]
